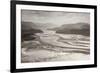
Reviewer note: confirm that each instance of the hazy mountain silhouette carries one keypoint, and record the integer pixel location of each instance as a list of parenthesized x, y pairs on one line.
[(78, 28), (45, 25), (28, 30)]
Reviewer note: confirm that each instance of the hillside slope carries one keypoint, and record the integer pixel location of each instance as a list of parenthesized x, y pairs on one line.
[(78, 28)]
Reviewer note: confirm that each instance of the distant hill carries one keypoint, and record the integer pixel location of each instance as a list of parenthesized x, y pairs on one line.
[(78, 28), (45, 25), (38, 25), (28, 29)]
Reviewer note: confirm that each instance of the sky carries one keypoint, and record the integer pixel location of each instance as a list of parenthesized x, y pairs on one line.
[(54, 17)]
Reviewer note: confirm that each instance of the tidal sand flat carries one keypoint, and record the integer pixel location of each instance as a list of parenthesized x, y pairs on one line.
[(51, 46)]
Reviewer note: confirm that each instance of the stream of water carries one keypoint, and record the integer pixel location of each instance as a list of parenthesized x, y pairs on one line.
[(51, 46)]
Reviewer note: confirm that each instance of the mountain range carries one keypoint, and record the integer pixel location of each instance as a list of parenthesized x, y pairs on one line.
[(28, 29), (77, 28)]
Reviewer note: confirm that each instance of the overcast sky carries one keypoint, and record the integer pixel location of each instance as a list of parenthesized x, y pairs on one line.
[(57, 18)]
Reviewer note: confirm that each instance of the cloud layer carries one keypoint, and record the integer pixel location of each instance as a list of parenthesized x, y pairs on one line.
[(57, 18)]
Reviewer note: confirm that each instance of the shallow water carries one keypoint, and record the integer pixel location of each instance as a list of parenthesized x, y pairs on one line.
[(51, 46)]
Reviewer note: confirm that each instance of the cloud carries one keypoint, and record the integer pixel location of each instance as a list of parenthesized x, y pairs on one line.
[(54, 17)]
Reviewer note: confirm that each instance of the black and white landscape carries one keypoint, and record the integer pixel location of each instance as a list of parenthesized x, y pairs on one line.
[(54, 36)]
